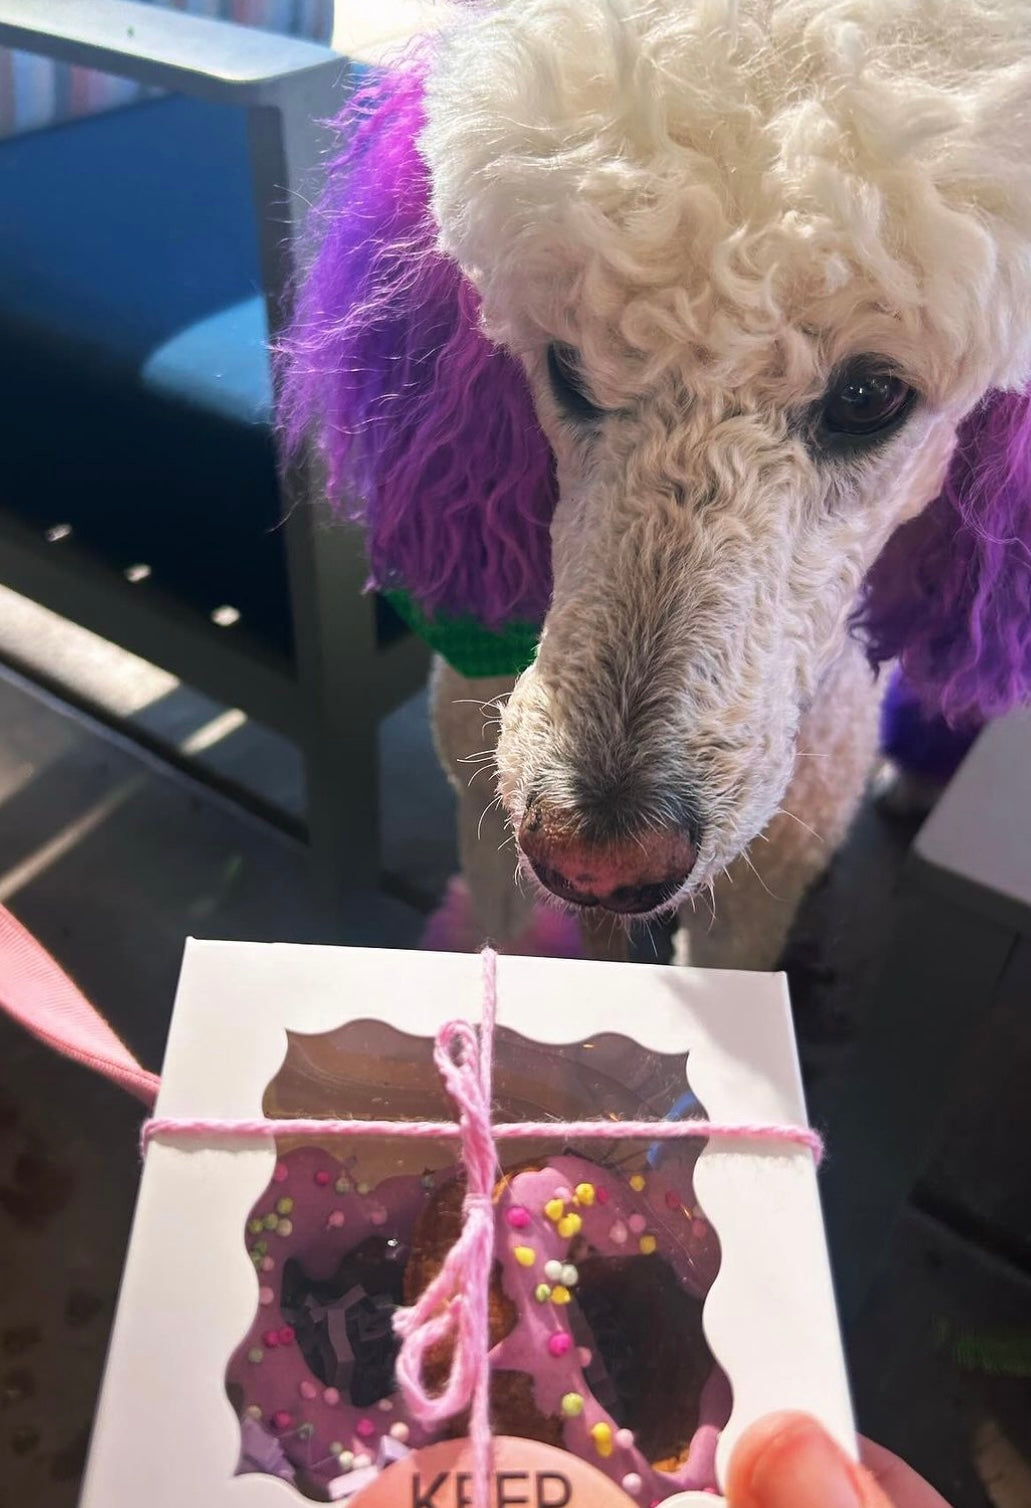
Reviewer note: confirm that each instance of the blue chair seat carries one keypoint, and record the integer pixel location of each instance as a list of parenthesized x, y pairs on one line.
[(134, 381)]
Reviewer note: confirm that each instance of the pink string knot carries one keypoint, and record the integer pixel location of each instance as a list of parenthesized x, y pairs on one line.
[(454, 1307)]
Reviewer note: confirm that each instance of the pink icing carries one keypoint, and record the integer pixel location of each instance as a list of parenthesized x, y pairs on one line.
[(280, 1394), (529, 1347)]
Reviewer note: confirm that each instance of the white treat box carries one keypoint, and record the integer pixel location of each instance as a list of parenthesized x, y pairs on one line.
[(348, 1033)]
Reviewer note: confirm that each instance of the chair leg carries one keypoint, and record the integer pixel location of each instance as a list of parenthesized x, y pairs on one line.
[(341, 701), (943, 966), (343, 805)]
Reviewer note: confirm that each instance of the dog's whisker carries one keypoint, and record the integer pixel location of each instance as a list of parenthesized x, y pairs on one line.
[(759, 877), (491, 806), (711, 890), (782, 811)]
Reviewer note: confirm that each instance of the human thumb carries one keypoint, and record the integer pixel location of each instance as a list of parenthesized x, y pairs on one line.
[(789, 1461)]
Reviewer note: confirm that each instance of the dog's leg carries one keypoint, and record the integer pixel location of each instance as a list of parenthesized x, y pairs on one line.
[(754, 902), (466, 732), (603, 937)]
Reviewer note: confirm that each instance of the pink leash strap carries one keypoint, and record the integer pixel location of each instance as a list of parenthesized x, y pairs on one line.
[(39, 994)]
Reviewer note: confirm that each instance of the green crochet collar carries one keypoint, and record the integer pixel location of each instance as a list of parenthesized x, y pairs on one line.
[(467, 646)]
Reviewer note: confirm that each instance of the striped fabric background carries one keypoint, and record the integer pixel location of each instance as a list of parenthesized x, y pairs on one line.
[(35, 92)]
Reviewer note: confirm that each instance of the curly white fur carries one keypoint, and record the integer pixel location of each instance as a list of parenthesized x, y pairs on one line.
[(716, 204)]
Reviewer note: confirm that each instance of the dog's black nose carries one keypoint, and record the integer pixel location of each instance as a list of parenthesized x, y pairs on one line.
[(630, 876)]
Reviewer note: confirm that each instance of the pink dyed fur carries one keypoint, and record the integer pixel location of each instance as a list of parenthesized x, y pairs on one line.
[(452, 929)]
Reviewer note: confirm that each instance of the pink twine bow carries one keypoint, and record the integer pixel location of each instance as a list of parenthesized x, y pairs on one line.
[(455, 1305)]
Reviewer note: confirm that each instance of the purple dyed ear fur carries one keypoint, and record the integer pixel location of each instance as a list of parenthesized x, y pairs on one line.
[(428, 432), (951, 593), (918, 743)]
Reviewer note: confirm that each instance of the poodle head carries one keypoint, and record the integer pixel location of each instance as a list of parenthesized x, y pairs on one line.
[(758, 260)]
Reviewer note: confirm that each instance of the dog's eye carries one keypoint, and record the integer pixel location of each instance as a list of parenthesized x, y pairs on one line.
[(865, 400), (568, 386)]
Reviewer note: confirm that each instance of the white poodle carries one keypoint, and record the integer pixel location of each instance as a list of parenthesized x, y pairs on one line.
[(759, 261)]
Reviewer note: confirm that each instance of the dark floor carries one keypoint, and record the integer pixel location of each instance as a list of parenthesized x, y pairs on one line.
[(111, 860)]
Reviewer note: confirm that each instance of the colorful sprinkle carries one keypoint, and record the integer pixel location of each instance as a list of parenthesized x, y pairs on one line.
[(526, 1257), (542, 1293), (337, 1449), (386, 1405), (569, 1226), (271, 1220), (646, 1246), (637, 1224), (253, 1411), (256, 1227), (637, 1182), (601, 1434), (569, 1275), (585, 1194), (559, 1345), (700, 1229), (399, 1431), (365, 1429), (270, 1339), (378, 1215), (362, 1188), (268, 1264), (554, 1209), (282, 1420), (625, 1439), (265, 1297), (335, 1219), (572, 1405), (331, 1397), (261, 1248), (307, 1389), (631, 1483), (673, 1200), (560, 1294), (553, 1271), (602, 1195), (343, 1185), (255, 1355), (286, 1335), (281, 1174), (618, 1234), (564, 1192), (584, 1357), (322, 1178), (361, 1460), (285, 1206), (518, 1217)]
